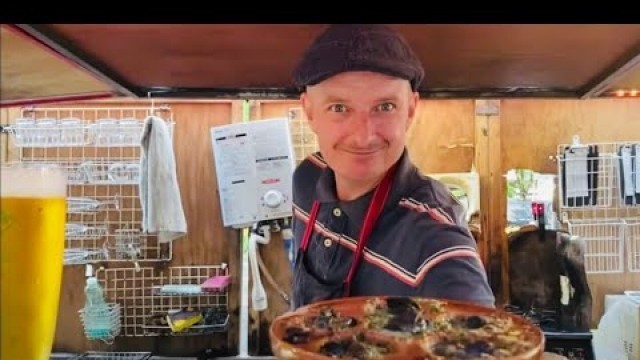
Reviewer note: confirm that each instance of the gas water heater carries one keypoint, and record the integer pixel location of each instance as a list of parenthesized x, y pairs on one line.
[(254, 164)]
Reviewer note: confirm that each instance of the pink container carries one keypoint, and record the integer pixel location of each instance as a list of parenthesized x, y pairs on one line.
[(216, 283)]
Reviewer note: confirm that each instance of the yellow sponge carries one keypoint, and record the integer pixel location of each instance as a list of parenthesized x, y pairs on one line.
[(182, 320)]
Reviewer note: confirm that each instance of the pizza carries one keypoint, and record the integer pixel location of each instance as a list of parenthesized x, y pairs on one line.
[(403, 328)]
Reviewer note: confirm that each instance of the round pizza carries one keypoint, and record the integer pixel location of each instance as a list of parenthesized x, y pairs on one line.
[(403, 328)]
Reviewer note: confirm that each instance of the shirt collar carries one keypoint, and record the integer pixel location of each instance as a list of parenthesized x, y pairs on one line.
[(402, 184)]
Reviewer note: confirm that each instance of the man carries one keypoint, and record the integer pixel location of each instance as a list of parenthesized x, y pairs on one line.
[(380, 226)]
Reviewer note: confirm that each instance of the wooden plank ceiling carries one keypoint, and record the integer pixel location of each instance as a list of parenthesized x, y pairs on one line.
[(461, 61), (32, 73)]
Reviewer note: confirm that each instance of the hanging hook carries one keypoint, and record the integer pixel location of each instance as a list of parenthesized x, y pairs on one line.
[(575, 142)]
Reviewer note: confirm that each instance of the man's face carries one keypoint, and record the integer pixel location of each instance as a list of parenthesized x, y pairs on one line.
[(360, 119)]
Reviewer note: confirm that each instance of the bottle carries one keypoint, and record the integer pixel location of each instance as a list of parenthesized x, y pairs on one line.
[(97, 319), (94, 296)]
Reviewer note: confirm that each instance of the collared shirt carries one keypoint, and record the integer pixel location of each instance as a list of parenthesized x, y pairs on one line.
[(420, 245)]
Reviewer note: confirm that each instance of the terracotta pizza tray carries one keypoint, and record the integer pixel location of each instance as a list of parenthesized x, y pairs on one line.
[(425, 329)]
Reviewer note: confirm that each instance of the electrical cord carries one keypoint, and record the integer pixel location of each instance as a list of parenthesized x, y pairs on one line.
[(263, 232), (271, 280)]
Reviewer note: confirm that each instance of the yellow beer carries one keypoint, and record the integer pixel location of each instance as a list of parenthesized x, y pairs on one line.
[(33, 217)]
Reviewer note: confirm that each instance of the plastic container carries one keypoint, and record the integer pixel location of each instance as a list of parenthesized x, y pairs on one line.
[(216, 283), (97, 314)]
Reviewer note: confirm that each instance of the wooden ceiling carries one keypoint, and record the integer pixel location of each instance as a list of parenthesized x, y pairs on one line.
[(255, 61), (32, 73)]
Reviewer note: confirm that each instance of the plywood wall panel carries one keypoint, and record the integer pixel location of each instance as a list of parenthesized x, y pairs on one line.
[(531, 132), (440, 140), (532, 129), (207, 242), (442, 136)]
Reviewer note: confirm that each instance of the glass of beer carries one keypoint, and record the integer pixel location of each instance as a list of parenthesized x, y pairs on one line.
[(33, 206)]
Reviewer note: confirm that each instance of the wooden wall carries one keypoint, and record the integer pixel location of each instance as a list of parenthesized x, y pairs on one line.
[(441, 138), (444, 138), (531, 130), (8, 152), (207, 242)]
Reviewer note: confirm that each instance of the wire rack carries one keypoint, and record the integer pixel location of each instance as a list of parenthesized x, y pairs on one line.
[(304, 140), (102, 324), (99, 355), (599, 198), (633, 244), (100, 150), (591, 181), (144, 307), (604, 239)]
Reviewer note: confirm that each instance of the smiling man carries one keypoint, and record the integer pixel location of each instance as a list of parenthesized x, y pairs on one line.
[(367, 222)]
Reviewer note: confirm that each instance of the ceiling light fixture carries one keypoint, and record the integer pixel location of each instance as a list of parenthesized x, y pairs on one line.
[(624, 93)]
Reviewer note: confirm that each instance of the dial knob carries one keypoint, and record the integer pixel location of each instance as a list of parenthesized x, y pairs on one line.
[(273, 198)]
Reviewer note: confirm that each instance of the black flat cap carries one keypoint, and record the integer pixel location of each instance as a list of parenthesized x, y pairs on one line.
[(358, 47)]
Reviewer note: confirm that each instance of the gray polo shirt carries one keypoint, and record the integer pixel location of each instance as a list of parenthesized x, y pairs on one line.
[(420, 245)]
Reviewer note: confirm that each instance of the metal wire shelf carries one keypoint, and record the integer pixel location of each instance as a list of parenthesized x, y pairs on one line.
[(220, 325), (81, 127), (102, 324), (599, 198), (101, 355), (604, 239), (632, 238), (100, 149), (591, 181), (303, 139), (135, 290)]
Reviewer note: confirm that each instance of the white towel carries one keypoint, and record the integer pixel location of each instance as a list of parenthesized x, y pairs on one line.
[(576, 173), (627, 171), (162, 211)]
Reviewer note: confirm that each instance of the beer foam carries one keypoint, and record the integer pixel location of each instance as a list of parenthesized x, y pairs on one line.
[(25, 181)]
